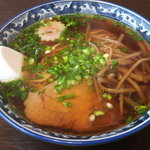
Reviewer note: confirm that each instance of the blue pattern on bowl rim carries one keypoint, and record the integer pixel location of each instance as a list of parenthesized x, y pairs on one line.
[(58, 7)]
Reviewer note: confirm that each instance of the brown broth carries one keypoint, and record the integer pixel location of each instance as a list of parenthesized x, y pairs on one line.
[(100, 124)]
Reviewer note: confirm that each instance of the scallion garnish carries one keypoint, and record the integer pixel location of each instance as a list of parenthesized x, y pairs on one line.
[(67, 104), (40, 76), (132, 33), (124, 50), (31, 61), (14, 106), (41, 91), (141, 109), (129, 119), (120, 24), (102, 18), (14, 89), (99, 113), (114, 64), (107, 96), (148, 55), (48, 48), (138, 38), (65, 97)]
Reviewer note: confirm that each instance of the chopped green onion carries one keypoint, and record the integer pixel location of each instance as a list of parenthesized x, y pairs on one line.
[(132, 33), (14, 89), (48, 48), (24, 96), (114, 64), (104, 95), (102, 61), (41, 91), (102, 18), (51, 80), (86, 51), (124, 50), (138, 38), (40, 76), (65, 58), (141, 109), (22, 89), (55, 58), (31, 61), (67, 104), (33, 90), (129, 119), (69, 96), (99, 113), (14, 106), (78, 77), (148, 55), (107, 96), (120, 24), (77, 61)]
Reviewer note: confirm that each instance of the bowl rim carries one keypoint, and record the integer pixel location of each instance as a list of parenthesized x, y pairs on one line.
[(73, 142), (101, 1)]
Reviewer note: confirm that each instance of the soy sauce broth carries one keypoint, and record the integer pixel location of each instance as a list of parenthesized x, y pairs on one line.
[(98, 37)]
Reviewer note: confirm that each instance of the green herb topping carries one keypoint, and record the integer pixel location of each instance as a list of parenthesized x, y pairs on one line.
[(62, 98), (129, 119), (99, 113), (107, 96), (120, 24), (141, 109), (124, 50), (14, 89), (67, 104), (114, 64)]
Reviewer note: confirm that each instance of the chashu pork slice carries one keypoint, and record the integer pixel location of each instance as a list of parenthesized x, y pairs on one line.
[(45, 109)]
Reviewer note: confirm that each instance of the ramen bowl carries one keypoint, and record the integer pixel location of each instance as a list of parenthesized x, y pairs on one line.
[(54, 8)]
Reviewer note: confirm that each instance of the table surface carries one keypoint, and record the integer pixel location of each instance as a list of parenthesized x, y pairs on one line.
[(12, 139)]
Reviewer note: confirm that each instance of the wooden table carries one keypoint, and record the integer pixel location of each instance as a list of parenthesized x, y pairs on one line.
[(11, 139)]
